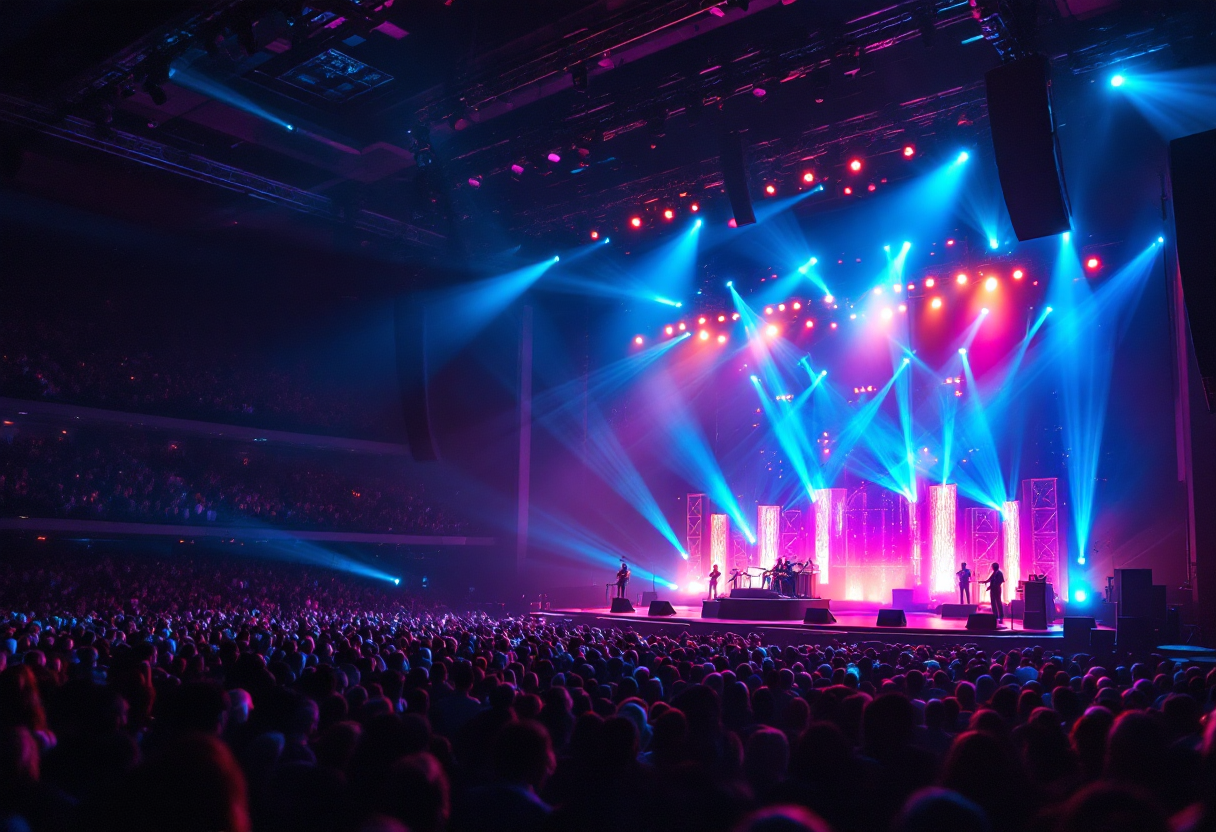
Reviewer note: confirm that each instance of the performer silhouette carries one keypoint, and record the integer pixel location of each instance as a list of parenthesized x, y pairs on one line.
[(995, 581), (713, 582), (964, 584), (622, 580)]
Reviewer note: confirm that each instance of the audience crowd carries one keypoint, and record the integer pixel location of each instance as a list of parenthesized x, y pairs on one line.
[(225, 696), (62, 363), (136, 477)]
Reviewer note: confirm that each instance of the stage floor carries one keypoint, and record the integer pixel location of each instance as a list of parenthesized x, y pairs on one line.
[(851, 624)]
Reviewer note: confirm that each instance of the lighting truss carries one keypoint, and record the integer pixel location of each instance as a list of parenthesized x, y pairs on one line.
[(768, 535), (693, 532), (984, 537), (1040, 495), (191, 166), (943, 521), (719, 540), (791, 534)]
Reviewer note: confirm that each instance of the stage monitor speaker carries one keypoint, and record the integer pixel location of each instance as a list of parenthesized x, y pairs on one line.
[(957, 610), (981, 621), (1027, 152), (1193, 181), (647, 597), (621, 605), (1076, 631), (711, 609), (661, 608), (818, 615), (734, 172), (409, 333), (892, 618), (1134, 592)]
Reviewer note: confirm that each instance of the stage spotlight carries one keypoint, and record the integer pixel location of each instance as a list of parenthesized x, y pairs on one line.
[(1018, 274), (871, 187), (721, 339), (990, 284), (848, 191), (878, 290), (797, 305), (808, 177), (639, 340), (683, 327), (855, 165), (887, 314), (670, 330), (554, 157), (703, 335), (730, 283), (732, 223), (950, 242), (911, 287), (897, 288), (962, 350), (936, 303), (1117, 80), (909, 151), (1048, 310), (961, 279), (1161, 239), (595, 235), (781, 307), (993, 242), (833, 324), (695, 207), (1081, 596), (810, 324), (984, 311), (929, 282), (903, 307), (962, 157), (770, 189), (396, 582), (1093, 263), (828, 298), (697, 224), (701, 319), (721, 319), (1065, 237), (772, 330), (735, 316), (768, 310), (669, 214), (636, 222)]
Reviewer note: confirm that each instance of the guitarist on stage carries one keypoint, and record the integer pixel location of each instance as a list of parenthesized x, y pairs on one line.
[(622, 580)]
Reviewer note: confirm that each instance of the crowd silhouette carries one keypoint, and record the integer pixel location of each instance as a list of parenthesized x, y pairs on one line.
[(225, 694)]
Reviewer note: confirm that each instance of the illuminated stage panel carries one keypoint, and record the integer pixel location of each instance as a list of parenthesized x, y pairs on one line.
[(943, 522), (719, 540), (829, 528), (768, 530), (1011, 530)]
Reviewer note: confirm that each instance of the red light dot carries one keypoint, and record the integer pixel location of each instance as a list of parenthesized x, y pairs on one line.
[(669, 214), (670, 330), (695, 207), (950, 242), (909, 151), (733, 223), (848, 191), (833, 324), (770, 189), (929, 282), (855, 165), (810, 324), (936, 303), (808, 177), (595, 235), (1093, 263), (1018, 274), (638, 340), (961, 278), (871, 187), (636, 222)]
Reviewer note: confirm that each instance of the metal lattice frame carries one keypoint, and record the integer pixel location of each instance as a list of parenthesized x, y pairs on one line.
[(984, 536), (791, 534), (738, 551), (1040, 496), (694, 532)]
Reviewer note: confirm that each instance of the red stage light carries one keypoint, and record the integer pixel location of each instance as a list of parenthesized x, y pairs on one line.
[(735, 316), (669, 214), (639, 340), (721, 339), (770, 189), (695, 207), (682, 327), (595, 235), (810, 324), (871, 187), (808, 177), (636, 222), (950, 242), (797, 305), (909, 151), (961, 279), (768, 310), (855, 165), (733, 223), (990, 284), (936, 303), (772, 330), (721, 318), (671, 330), (781, 307), (929, 282), (833, 324), (1093, 264), (1018, 274), (848, 191), (703, 335)]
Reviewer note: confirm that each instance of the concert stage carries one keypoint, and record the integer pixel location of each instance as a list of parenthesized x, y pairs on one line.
[(854, 622)]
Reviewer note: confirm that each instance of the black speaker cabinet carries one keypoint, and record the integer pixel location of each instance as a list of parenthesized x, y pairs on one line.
[(957, 610), (734, 173), (409, 334), (661, 608), (1134, 592), (622, 605), (711, 609), (1193, 181), (1101, 642), (981, 621), (816, 615), (1027, 153), (1076, 631), (892, 618)]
